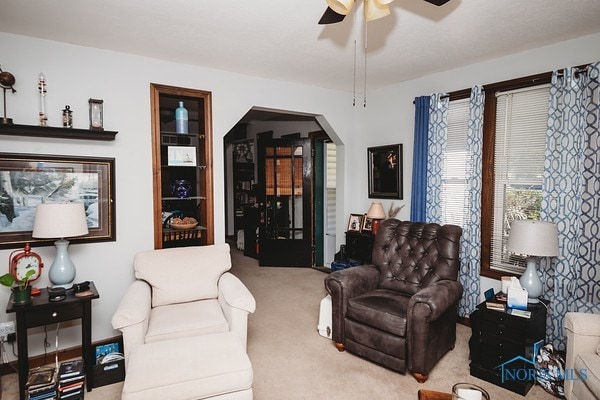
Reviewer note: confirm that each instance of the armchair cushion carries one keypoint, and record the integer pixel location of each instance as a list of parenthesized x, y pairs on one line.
[(176, 320), (174, 279), (382, 309)]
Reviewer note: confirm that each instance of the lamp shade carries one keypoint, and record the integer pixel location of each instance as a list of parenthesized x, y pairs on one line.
[(533, 238), (59, 220), (376, 211), (341, 7), (375, 9)]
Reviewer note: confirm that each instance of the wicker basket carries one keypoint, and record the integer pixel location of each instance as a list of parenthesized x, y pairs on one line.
[(174, 235)]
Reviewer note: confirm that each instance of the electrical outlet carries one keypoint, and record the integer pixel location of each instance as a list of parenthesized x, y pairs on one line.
[(6, 328)]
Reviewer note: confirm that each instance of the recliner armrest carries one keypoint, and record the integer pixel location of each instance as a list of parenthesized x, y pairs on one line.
[(352, 282), (235, 293), (439, 297), (134, 307)]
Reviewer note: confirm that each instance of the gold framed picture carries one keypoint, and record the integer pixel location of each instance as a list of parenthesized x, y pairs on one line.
[(355, 222)]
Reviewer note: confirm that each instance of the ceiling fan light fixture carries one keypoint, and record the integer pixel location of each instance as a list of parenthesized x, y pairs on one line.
[(341, 7), (375, 9)]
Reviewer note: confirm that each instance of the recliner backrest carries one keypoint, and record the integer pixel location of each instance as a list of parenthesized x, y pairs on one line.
[(412, 256)]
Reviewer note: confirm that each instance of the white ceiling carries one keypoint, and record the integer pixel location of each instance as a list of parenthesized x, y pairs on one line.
[(280, 39)]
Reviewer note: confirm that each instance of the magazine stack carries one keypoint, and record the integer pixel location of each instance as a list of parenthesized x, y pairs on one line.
[(71, 380), (41, 384)]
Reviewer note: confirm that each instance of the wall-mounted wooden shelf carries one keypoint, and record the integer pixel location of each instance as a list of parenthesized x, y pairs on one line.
[(56, 132)]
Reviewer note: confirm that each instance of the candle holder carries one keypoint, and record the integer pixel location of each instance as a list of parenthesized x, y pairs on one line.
[(7, 80), (96, 114)]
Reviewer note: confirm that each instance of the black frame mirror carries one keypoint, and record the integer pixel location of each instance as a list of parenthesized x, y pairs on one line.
[(385, 172)]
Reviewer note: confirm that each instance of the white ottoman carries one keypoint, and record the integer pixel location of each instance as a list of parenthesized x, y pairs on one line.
[(209, 366), (325, 317)]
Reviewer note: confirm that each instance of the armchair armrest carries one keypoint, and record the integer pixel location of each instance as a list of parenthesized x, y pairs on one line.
[(583, 336), (431, 316), (344, 285), (236, 302), (132, 315)]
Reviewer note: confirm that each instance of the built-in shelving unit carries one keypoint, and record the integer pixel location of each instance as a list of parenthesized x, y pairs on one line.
[(56, 132), (182, 167)]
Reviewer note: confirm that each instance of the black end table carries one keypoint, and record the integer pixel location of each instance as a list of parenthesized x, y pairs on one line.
[(42, 312)]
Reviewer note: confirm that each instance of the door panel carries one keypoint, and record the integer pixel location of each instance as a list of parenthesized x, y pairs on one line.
[(285, 202)]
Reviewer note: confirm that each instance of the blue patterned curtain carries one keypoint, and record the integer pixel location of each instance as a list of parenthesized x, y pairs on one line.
[(418, 195), (436, 148), (571, 195), (471, 238)]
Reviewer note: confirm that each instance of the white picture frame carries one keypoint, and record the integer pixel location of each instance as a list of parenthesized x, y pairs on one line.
[(183, 156)]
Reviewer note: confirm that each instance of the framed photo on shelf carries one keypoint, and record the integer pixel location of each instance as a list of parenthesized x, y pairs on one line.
[(27, 180), (184, 156), (355, 222), (367, 224), (385, 172)]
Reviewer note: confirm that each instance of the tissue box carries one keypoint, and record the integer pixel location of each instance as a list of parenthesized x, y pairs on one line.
[(517, 298)]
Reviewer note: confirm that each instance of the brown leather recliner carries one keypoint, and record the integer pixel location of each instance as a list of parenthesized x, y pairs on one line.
[(401, 310)]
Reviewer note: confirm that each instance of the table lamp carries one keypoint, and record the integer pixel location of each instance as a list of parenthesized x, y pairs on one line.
[(532, 239), (376, 213), (60, 221)]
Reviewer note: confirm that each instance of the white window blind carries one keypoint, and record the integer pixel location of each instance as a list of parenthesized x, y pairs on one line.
[(330, 186), (455, 163), (521, 121)]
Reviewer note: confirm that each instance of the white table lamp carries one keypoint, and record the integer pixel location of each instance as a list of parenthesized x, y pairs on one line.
[(60, 221), (533, 239)]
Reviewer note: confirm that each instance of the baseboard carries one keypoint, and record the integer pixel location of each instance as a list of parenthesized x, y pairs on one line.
[(464, 321), (38, 361)]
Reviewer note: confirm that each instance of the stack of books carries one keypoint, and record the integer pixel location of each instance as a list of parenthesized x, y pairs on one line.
[(71, 380), (41, 384)]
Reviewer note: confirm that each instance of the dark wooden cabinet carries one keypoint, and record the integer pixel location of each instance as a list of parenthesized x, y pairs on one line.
[(502, 346), (359, 246), (182, 167)]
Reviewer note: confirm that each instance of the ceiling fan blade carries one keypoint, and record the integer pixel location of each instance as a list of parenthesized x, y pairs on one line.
[(330, 17), (437, 2)]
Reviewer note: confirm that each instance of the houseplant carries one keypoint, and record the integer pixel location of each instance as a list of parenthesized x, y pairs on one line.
[(20, 287)]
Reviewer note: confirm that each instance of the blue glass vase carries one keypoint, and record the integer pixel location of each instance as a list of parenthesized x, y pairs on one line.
[(181, 188)]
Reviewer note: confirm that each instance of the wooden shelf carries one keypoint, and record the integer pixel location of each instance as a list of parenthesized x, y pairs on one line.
[(56, 132)]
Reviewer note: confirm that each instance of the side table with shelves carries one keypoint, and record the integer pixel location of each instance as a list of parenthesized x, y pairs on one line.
[(42, 312), (501, 339), (359, 246)]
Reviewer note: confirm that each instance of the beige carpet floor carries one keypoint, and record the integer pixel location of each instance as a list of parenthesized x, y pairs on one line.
[(291, 361)]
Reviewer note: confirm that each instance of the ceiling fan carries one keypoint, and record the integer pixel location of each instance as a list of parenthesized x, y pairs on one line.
[(374, 9)]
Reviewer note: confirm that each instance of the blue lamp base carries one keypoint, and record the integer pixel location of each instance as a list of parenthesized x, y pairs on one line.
[(531, 281), (62, 271)]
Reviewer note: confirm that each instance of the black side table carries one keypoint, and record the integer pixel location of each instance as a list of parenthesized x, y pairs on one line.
[(359, 246), (500, 340), (42, 312)]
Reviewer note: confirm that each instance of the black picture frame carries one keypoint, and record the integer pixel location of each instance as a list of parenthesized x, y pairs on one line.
[(385, 172), (29, 179)]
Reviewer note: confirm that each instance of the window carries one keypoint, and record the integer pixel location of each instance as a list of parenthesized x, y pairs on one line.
[(514, 131)]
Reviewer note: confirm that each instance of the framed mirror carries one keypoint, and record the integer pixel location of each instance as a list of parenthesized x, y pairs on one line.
[(385, 172)]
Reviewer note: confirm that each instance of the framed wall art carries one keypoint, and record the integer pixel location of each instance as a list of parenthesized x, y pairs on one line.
[(27, 180), (355, 222), (385, 172)]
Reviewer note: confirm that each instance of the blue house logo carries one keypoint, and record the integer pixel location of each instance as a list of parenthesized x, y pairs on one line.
[(520, 374)]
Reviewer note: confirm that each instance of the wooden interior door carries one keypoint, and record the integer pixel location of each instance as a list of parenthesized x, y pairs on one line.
[(285, 202)]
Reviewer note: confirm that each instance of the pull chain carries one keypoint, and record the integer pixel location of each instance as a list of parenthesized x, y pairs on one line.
[(354, 88)]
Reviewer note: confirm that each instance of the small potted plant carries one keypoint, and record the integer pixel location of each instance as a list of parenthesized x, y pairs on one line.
[(20, 287)]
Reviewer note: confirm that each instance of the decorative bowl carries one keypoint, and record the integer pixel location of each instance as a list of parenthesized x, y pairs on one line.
[(183, 226)]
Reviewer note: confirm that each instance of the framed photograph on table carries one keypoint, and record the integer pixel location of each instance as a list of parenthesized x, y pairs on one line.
[(355, 222), (367, 224), (385, 172), (27, 180)]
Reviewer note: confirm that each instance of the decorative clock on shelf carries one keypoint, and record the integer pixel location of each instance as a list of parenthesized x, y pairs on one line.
[(22, 261)]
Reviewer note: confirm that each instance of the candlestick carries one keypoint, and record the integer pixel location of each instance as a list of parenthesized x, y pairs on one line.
[(43, 118)]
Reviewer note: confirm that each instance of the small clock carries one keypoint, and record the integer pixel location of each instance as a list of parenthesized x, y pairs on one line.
[(23, 261)]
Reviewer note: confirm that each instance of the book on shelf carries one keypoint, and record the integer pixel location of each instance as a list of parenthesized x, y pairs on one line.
[(70, 368), (494, 306), (520, 313), (41, 378)]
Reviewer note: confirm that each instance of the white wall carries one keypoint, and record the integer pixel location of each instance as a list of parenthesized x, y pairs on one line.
[(73, 75), (390, 116)]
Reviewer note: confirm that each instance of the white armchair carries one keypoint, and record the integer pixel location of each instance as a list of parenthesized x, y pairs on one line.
[(183, 292), (583, 355)]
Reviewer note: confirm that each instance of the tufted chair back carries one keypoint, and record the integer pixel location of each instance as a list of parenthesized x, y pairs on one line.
[(412, 256)]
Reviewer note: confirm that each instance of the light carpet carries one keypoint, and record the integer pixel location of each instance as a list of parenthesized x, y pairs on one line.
[(291, 361)]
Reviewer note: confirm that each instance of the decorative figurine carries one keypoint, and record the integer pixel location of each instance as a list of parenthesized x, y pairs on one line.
[(67, 115), (7, 80), (96, 114), (43, 118)]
